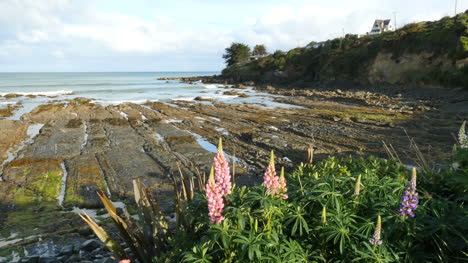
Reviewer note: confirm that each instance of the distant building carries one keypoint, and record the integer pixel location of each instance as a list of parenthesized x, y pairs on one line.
[(316, 45), (381, 26), (319, 44)]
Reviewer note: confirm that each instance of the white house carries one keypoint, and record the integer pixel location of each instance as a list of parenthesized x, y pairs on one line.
[(381, 26), (316, 45), (319, 44)]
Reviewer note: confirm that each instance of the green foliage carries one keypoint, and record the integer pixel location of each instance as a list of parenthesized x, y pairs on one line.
[(236, 53), (324, 219), (259, 50), (260, 228)]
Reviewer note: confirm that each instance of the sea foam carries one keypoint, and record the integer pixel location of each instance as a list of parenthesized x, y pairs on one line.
[(40, 93)]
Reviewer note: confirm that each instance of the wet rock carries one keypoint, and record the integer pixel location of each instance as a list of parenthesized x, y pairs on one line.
[(32, 259), (90, 245), (239, 86), (6, 112), (66, 250), (48, 260), (63, 258), (230, 93), (85, 231), (12, 95), (106, 260), (96, 252), (199, 98), (73, 259)]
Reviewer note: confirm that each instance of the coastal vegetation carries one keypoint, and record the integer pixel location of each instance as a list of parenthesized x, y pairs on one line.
[(240, 53), (236, 53), (337, 210), (424, 53), (259, 50)]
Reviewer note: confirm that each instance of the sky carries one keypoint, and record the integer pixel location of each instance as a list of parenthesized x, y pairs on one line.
[(181, 35)]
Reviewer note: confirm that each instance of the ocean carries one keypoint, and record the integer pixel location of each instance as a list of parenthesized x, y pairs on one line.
[(112, 88)]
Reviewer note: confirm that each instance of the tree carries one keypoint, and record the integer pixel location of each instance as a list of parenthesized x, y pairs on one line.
[(236, 53), (259, 50)]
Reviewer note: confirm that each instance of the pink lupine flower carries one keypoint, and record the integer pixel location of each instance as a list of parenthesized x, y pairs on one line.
[(222, 175), (270, 180), (215, 200), (275, 185)]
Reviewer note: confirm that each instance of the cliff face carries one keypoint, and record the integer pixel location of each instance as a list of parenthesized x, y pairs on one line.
[(425, 53), (386, 69)]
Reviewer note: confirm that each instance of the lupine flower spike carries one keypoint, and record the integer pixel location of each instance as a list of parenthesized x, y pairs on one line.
[(409, 201), (375, 240), (282, 185), (324, 215), (222, 175), (462, 137), (270, 180), (215, 200), (357, 187)]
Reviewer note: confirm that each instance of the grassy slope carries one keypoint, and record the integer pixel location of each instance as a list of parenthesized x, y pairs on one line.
[(350, 58)]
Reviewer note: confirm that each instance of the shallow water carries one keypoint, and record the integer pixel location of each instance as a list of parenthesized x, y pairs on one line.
[(115, 88)]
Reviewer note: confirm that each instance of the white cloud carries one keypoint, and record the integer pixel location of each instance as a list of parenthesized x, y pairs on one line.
[(58, 54), (92, 37)]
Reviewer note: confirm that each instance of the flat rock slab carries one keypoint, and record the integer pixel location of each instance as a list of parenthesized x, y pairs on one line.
[(85, 179), (121, 167), (12, 133), (58, 139), (32, 180)]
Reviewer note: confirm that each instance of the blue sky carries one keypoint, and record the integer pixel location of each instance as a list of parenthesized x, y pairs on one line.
[(180, 35)]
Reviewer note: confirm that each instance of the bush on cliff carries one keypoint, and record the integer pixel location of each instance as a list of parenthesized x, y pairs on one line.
[(236, 53)]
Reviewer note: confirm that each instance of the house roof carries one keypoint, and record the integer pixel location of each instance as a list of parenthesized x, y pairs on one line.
[(385, 22)]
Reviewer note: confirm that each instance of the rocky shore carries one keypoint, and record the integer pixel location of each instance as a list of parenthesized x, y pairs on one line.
[(56, 157)]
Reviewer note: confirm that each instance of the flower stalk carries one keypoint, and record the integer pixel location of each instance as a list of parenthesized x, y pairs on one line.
[(324, 215), (409, 201), (357, 187), (375, 240), (282, 185), (215, 200), (462, 137), (222, 173), (275, 185)]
